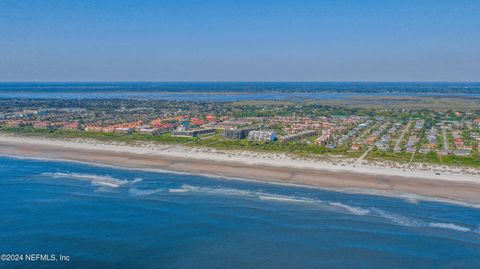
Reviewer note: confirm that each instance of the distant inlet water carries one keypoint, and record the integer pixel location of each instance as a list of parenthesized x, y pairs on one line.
[(107, 217)]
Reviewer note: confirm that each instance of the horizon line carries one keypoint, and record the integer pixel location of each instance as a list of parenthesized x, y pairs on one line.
[(228, 81)]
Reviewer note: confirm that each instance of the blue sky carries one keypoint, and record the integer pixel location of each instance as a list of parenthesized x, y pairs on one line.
[(239, 40)]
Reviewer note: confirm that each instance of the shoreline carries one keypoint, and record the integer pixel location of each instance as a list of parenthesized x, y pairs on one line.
[(274, 169), (412, 197)]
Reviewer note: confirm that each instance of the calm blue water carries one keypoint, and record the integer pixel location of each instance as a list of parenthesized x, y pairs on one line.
[(105, 217), (234, 91)]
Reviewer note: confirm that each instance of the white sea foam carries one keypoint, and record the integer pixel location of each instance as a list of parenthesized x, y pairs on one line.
[(415, 198), (397, 218), (247, 193), (105, 184), (393, 217), (449, 226), (177, 190), (412, 222), (411, 200), (213, 190), (140, 192), (106, 181), (136, 180), (282, 198), (352, 209), (390, 216), (105, 189)]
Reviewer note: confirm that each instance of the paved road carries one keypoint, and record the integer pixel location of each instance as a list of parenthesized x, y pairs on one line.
[(400, 139), (445, 140)]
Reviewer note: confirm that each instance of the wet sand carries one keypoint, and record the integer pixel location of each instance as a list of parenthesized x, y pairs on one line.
[(443, 189)]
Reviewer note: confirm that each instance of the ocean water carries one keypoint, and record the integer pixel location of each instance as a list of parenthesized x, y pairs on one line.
[(234, 91), (104, 217)]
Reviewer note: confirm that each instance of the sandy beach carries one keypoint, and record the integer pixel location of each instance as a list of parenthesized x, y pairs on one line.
[(339, 173)]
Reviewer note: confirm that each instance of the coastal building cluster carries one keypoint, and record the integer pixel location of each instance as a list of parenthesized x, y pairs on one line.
[(456, 134)]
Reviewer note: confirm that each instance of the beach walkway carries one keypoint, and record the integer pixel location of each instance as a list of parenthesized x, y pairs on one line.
[(361, 158)]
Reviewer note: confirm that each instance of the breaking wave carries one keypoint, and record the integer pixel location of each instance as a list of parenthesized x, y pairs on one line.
[(412, 222), (220, 191), (449, 226), (394, 218), (282, 198), (246, 193), (136, 180), (139, 192), (177, 190), (352, 209), (105, 181), (397, 218)]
